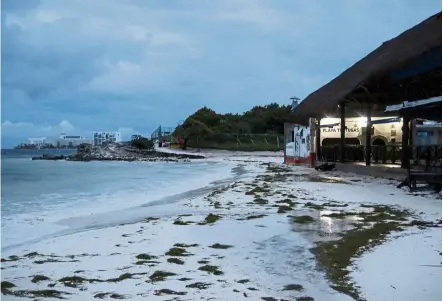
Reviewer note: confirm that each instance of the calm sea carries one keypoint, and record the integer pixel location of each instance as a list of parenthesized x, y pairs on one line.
[(37, 194)]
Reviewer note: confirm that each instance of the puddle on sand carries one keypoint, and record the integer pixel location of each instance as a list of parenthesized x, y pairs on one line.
[(321, 228)]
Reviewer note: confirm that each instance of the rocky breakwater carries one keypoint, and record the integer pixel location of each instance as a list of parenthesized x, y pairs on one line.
[(119, 152)]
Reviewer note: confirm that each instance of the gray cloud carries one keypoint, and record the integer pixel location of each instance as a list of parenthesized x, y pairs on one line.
[(135, 64)]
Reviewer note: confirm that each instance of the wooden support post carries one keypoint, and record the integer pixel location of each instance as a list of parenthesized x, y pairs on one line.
[(405, 143), (342, 132), (368, 135), (318, 139)]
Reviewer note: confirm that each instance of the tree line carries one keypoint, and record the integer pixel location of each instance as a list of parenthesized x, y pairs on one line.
[(205, 125)]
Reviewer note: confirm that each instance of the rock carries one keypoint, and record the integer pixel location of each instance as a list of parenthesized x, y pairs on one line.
[(119, 152), (49, 157)]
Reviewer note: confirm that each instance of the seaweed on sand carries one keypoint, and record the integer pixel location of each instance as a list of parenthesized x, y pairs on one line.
[(334, 257), (210, 219), (180, 222), (220, 246), (260, 201), (293, 287), (211, 269), (181, 245), (199, 285), (6, 285), (255, 216), (287, 202), (175, 260), (314, 206), (177, 252), (37, 293), (145, 256), (257, 190), (165, 291), (111, 295), (160, 276), (303, 219), (38, 278), (284, 209)]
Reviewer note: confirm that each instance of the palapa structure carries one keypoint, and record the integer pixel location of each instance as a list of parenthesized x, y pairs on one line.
[(407, 67)]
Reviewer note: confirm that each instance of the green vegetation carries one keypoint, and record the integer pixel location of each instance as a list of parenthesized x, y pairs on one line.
[(256, 190), (165, 291), (177, 252), (220, 246), (256, 129), (181, 222), (304, 298), (175, 260), (7, 285), (378, 214), (160, 276), (255, 216), (38, 278), (73, 281), (303, 219), (211, 269), (184, 279), (32, 255), (180, 245), (334, 257), (260, 201), (111, 295), (143, 143), (11, 258), (293, 287), (210, 219), (150, 263), (145, 256), (314, 206), (199, 285), (288, 202), (36, 293), (284, 209)]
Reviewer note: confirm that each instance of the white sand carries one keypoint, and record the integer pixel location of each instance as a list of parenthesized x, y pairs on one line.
[(269, 251)]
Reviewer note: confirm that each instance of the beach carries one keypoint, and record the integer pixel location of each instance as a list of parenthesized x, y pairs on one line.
[(263, 231)]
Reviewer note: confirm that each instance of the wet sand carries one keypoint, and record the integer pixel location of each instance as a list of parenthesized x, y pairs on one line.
[(269, 234)]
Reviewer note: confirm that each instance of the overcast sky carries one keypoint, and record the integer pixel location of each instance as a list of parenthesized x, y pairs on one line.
[(81, 65)]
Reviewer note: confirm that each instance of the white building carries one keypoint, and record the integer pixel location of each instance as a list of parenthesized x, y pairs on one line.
[(71, 140), (106, 137), (37, 141)]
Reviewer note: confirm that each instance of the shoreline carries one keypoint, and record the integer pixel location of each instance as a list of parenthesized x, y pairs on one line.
[(278, 214), (24, 227)]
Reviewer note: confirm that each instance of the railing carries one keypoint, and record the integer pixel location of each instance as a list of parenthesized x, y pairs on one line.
[(391, 154)]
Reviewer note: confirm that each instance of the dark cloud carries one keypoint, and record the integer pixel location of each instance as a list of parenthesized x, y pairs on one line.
[(135, 64)]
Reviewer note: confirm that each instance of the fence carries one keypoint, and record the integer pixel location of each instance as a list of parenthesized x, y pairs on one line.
[(240, 142)]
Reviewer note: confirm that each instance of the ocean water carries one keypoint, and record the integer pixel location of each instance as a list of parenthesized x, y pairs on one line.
[(36, 195)]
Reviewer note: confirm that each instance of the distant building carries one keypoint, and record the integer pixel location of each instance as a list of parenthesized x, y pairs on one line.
[(37, 141), (71, 141), (106, 137)]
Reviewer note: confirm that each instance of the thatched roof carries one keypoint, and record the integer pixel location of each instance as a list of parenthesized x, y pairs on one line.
[(391, 55)]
